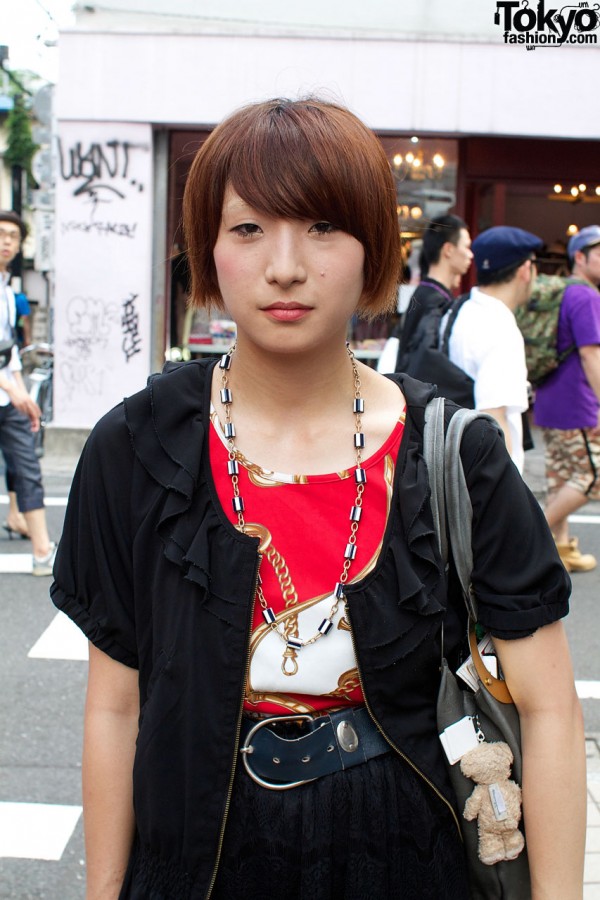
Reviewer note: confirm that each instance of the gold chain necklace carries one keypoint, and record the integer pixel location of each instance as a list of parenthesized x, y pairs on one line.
[(289, 632)]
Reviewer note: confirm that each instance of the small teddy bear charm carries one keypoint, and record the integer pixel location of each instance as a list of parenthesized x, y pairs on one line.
[(495, 802)]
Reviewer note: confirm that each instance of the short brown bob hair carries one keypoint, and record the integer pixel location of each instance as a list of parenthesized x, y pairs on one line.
[(300, 159)]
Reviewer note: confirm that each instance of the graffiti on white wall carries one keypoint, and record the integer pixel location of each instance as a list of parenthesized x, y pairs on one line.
[(101, 175), (103, 303)]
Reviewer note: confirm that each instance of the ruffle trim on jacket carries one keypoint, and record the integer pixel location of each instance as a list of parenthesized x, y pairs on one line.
[(167, 431), (168, 427)]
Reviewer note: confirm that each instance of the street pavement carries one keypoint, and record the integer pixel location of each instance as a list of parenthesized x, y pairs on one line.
[(43, 677)]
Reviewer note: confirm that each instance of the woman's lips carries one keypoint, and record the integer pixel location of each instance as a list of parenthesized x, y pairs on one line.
[(283, 312)]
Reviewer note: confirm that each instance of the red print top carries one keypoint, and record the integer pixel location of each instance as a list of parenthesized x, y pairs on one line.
[(304, 524)]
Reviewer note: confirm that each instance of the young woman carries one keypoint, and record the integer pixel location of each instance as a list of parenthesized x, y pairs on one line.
[(251, 539)]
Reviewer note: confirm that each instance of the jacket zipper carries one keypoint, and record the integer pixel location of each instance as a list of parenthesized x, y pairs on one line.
[(389, 740), (237, 738)]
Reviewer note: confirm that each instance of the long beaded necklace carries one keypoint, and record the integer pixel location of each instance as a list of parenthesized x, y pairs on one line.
[(289, 633)]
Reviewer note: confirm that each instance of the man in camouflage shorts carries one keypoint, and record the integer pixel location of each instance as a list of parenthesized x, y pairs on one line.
[(567, 405)]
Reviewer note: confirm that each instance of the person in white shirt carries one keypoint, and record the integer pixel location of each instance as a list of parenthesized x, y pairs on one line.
[(485, 340), (19, 414)]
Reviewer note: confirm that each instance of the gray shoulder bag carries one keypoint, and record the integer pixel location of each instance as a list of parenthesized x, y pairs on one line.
[(490, 707)]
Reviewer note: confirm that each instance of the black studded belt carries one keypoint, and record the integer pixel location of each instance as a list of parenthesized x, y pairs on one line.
[(323, 745)]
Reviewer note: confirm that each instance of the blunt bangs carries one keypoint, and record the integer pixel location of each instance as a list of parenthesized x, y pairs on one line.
[(305, 159), (289, 167)]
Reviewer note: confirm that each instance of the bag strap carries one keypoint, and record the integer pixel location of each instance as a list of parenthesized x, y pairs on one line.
[(450, 322), (444, 292), (11, 325), (458, 504), (433, 451), (450, 501), (450, 497)]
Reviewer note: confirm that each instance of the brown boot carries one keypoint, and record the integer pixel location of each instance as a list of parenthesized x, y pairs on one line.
[(573, 559)]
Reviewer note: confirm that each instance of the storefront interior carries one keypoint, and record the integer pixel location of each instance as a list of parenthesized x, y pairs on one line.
[(546, 186)]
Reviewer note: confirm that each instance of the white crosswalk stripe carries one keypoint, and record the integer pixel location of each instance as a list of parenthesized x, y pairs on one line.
[(16, 563), (48, 501), (588, 690), (36, 830), (61, 640)]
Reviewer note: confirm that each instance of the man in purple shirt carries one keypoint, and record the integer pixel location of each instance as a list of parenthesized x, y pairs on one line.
[(567, 405)]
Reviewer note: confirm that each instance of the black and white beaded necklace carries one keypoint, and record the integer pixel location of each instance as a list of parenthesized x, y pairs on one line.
[(290, 636)]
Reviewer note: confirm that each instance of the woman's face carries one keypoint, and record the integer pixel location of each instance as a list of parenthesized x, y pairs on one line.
[(288, 284)]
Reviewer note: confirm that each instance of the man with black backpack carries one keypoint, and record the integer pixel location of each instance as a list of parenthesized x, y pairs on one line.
[(445, 257), (567, 404)]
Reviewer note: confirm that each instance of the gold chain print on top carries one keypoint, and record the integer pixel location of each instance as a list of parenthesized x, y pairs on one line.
[(289, 630), (325, 669)]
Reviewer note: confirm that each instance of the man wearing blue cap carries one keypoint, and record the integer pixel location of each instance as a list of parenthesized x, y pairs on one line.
[(567, 405), (485, 340)]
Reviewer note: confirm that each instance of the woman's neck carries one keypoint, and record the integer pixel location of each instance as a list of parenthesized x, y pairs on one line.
[(294, 413), (290, 410), (287, 385)]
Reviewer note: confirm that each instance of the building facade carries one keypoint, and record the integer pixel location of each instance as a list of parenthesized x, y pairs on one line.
[(471, 120)]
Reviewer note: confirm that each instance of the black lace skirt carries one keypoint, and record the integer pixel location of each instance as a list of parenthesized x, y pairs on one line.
[(373, 832)]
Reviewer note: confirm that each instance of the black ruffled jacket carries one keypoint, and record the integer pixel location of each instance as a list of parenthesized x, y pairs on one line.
[(151, 569)]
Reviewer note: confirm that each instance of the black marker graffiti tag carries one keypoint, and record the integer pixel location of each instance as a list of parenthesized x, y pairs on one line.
[(89, 324), (119, 229), (81, 378), (101, 168), (129, 322)]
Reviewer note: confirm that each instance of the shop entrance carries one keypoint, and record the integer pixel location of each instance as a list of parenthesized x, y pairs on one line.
[(547, 186)]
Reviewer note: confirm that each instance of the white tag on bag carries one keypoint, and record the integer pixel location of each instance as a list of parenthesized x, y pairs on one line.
[(458, 739), (468, 672)]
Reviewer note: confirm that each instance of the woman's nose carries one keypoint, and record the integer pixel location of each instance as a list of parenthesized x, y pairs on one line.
[(285, 264)]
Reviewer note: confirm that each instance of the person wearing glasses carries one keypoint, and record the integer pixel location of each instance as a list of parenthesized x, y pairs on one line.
[(19, 414), (485, 341)]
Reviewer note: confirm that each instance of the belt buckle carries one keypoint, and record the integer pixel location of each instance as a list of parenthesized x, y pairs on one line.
[(247, 749)]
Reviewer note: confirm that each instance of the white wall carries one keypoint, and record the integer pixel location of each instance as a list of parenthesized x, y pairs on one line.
[(102, 304), (424, 17), (398, 85)]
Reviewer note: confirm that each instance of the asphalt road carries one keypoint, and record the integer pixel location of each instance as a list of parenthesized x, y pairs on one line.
[(41, 707), (41, 704)]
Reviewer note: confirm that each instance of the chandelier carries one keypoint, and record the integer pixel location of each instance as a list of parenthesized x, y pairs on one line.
[(416, 166), (578, 193)]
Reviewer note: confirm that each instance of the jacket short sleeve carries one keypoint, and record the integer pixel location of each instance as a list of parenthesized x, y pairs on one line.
[(93, 571), (519, 581)]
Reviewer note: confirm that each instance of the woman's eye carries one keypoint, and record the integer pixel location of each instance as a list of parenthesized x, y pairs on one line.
[(247, 229), (324, 228)]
